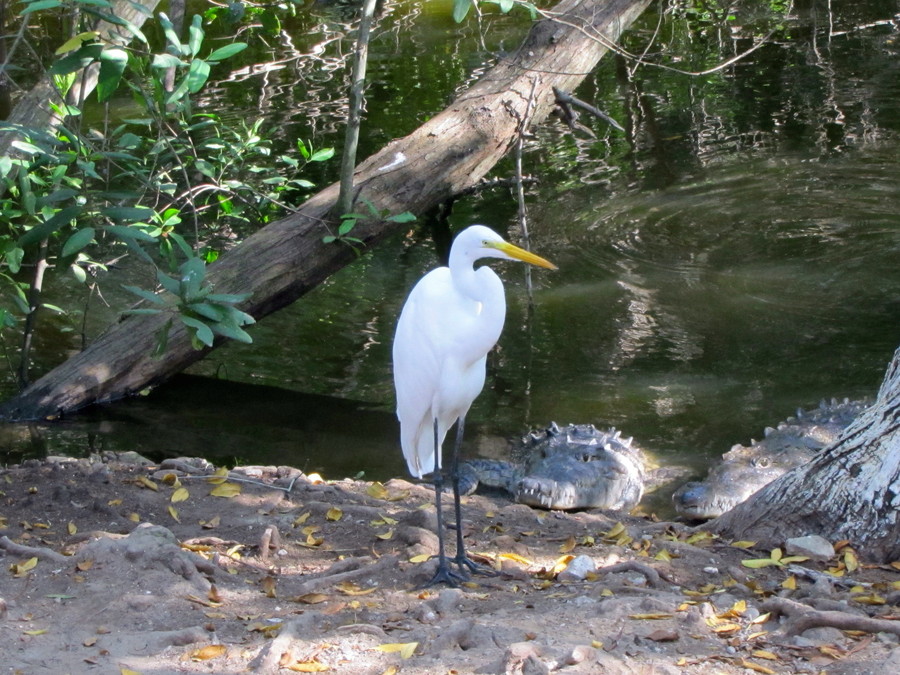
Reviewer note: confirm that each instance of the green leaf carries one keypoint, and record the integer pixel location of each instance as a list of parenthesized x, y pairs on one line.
[(227, 51), (166, 61), (167, 282), (75, 61), (44, 230), (14, 257), (78, 272), (112, 65), (76, 42), (201, 330), (405, 217), (322, 155), (227, 297), (197, 75), (39, 5), (155, 298), (78, 241), (209, 311), (169, 31), (195, 35), (125, 233), (461, 9), (128, 214)]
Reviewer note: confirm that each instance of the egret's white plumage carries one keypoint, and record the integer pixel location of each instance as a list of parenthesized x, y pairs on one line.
[(451, 320)]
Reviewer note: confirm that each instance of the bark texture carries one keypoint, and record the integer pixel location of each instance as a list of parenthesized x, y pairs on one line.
[(284, 260), (850, 491)]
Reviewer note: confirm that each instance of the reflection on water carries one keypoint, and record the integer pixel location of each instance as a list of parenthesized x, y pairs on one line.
[(731, 258)]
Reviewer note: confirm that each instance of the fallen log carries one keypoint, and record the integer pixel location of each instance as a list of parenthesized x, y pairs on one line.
[(284, 260)]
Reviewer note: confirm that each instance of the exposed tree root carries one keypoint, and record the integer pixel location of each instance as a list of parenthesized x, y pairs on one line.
[(652, 576), (40, 553), (803, 617), (344, 570)]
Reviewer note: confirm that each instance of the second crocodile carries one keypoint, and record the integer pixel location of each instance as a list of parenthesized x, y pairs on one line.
[(745, 469), (574, 467)]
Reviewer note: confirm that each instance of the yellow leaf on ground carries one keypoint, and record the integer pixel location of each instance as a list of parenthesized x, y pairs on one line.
[(758, 667), (174, 513), (650, 616), (614, 531), (225, 490), (568, 546), (757, 563), (180, 495), (743, 544), (334, 513), (210, 524), (128, 671), (515, 557), (349, 588), (219, 477), (84, 565), (663, 555), (386, 535), (311, 598), (405, 649), (21, 569), (851, 562), (301, 519), (147, 483), (422, 557), (72, 528), (208, 652), (764, 654), (306, 667), (377, 491), (134, 517), (38, 631)]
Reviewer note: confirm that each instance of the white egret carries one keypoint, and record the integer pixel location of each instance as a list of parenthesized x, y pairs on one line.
[(451, 320)]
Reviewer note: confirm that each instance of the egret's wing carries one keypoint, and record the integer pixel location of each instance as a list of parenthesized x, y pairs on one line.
[(416, 353)]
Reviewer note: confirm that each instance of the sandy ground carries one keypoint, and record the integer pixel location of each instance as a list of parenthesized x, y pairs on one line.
[(115, 565)]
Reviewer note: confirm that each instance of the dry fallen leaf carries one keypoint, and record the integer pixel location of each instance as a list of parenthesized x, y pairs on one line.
[(334, 513), (405, 649), (311, 598), (377, 491), (211, 523), (208, 652), (758, 667), (226, 490), (37, 631), (268, 586), (72, 528), (21, 569), (219, 477), (306, 667), (568, 546), (650, 616), (180, 495), (174, 513), (422, 557), (143, 481)]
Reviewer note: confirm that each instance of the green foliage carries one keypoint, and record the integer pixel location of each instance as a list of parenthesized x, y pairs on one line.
[(148, 184), (461, 7), (204, 313), (349, 220)]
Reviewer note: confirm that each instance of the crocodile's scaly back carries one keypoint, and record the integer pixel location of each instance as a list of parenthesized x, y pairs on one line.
[(573, 467), (745, 469)]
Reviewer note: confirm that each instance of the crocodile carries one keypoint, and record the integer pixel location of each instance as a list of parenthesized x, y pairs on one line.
[(574, 467), (745, 469)]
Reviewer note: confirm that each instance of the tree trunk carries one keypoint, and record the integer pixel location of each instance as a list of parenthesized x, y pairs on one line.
[(284, 260), (849, 491)]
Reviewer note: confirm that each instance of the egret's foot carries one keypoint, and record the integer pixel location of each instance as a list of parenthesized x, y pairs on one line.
[(468, 567), (445, 575)]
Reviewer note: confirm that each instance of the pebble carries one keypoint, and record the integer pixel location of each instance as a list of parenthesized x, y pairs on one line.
[(811, 545), (578, 569)]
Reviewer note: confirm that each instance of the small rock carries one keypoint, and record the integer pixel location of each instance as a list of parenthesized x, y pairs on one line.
[(811, 545), (578, 569), (580, 654), (524, 658), (824, 635)]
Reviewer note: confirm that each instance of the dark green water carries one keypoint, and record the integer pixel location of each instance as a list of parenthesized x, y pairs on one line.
[(734, 255)]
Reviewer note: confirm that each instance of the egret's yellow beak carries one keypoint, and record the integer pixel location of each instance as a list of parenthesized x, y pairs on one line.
[(514, 251)]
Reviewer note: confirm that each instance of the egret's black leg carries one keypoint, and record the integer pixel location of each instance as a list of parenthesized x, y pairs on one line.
[(443, 574), (466, 566)]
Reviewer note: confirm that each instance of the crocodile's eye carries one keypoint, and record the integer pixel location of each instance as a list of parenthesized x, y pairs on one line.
[(761, 462)]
